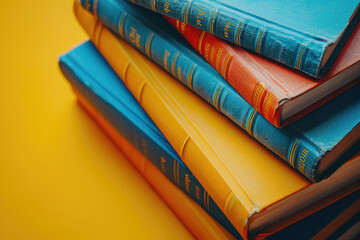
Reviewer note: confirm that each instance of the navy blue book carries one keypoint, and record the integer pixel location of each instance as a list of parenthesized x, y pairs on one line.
[(94, 79), (305, 35), (312, 145)]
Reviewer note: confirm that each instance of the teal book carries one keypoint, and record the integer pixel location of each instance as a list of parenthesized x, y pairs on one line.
[(89, 73), (306, 35), (311, 145)]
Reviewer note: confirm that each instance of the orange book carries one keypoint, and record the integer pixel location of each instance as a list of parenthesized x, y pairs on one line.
[(199, 223), (280, 94), (258, 192)]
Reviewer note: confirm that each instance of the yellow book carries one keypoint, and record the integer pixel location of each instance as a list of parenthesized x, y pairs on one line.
[(243, 178), (199, 223)]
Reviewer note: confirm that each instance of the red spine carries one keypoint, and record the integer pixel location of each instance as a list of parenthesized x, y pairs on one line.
[(239, 68)]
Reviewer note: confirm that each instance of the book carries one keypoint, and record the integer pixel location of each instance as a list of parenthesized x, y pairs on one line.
[(279, 94), (94, 84), (256, 190), (301, 144), (86, 70), (304, 35)]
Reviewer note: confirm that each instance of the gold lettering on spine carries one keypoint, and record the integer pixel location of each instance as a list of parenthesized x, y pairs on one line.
[(135, 37), (179, 73), (187, 183), (212, 53), (197, 192), (218, 57), (199, 18), (183, 27), (121, 25), (174, 64), (257, 94), (227, 29), (166, 56), (166, 7), (303, 160), (163, 162), (207, 51), (267, 104)]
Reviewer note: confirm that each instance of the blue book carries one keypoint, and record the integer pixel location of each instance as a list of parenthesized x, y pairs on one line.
[(311, 145), (93, 78), (305, 35)]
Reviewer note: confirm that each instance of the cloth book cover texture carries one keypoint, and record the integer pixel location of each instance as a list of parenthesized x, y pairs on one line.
[(94, 79), (299, 34), (269, 87), (302, 144), (84, 64)]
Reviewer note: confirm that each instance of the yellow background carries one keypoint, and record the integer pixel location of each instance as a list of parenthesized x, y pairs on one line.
[(60, 176)]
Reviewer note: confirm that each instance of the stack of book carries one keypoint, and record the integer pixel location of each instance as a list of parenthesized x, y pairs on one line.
[(251, 109)]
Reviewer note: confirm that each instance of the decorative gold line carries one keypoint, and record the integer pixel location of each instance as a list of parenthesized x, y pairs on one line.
[(187, 6), (239, 32), (260, 39), (153, 5), (190, 76), (225, 65), (301, 53), (291, 160), (174, 63), (121, 25), (178, 178), (178, 25), (148, 43), (211, 25), (200, 41), (250, 121)]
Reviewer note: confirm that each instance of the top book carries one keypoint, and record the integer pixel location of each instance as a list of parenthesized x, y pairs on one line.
[(306, 35)]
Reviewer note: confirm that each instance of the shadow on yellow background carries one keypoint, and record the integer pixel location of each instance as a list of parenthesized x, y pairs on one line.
[(60, 176)]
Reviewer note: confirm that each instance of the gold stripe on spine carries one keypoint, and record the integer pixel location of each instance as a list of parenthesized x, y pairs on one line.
[(225, 64), (95, 9), (153, 5), (174, 64), (239, 32), (190, 76), (186, 12), (96, 33), (301, 54), (148, 44), (178, 25), (217, 97), (250, 121), (121, 25), (211, 23), (292, 153), (202, 34), (259, 41)]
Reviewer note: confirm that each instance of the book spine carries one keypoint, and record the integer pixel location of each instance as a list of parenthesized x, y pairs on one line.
[(206, 82), (167, 161), (240, 71), (294, 49)]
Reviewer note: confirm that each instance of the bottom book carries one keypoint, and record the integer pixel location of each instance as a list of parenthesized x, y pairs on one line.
[(98, 101)]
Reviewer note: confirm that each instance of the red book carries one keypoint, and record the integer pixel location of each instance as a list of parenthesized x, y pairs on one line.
[(280, 94)]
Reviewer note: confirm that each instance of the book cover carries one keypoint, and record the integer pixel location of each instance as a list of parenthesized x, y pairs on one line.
[(304, 35), (247, 182), (276, 92), (311, 156), (100, 86)]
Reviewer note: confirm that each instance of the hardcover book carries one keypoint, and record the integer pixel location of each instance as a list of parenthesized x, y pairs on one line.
[(257, 191), (95, 82), (279, 94), (305, 35), (309, 134), (108, 101)]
